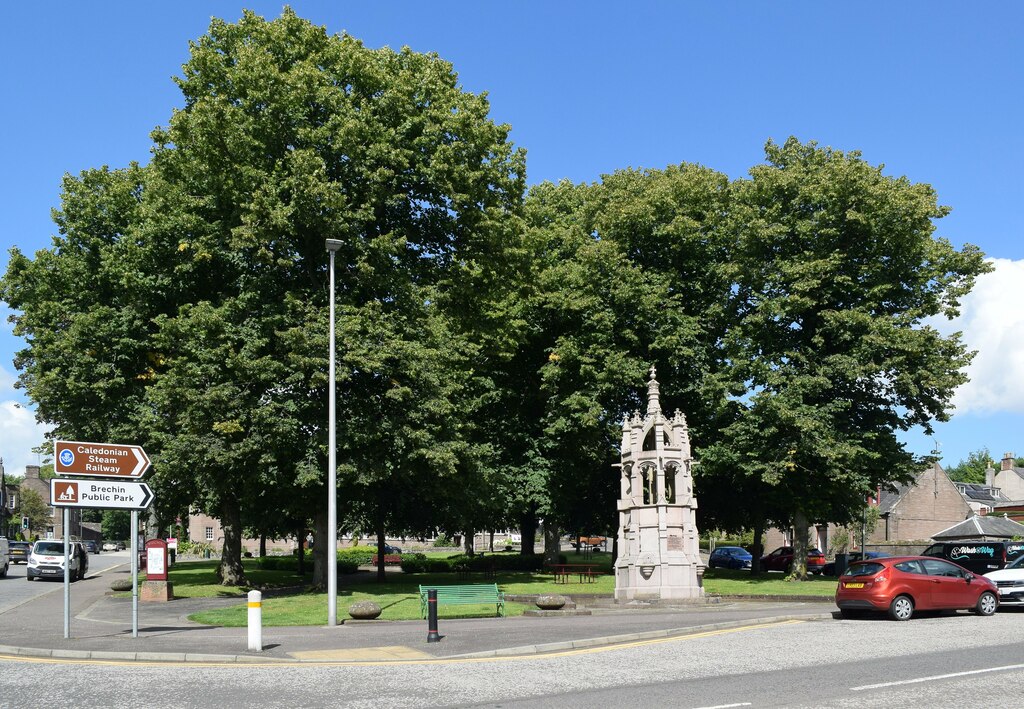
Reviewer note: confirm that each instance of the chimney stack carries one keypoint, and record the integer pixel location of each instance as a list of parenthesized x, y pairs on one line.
[(31, 471), (1008, 461)]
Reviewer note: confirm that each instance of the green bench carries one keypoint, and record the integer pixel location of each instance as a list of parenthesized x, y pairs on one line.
[(473, 594)]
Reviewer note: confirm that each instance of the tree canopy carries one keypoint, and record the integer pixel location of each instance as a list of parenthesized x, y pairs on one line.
[(489, 344)]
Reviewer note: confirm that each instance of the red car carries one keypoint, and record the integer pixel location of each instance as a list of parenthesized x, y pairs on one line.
[(782, 559), (900, 585)]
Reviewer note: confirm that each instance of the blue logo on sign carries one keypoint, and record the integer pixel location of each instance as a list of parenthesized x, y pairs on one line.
[(67, 457)]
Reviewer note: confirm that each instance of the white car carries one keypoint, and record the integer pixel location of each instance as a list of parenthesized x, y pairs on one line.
[(1010, 581)]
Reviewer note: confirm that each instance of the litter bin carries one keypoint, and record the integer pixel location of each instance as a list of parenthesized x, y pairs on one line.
[(206, 554), (842, 561)]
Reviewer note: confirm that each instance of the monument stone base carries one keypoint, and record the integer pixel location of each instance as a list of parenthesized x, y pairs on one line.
[(156, 592)]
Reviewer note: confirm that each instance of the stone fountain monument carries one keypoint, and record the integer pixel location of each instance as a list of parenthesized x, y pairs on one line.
[(659, 552)]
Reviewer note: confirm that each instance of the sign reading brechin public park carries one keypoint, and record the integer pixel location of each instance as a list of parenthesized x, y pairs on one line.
[(109, 494), (100, 460)]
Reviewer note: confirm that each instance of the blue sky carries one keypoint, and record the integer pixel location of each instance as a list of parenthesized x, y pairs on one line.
[(930, 89)]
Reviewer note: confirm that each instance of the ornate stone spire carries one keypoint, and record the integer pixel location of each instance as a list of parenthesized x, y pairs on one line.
[(653, 405)]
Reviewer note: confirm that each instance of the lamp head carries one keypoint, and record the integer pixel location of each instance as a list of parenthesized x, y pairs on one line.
[(333, 245)]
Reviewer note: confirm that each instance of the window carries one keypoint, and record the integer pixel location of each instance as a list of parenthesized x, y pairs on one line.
[(935, 567), (910, 567), (209, 534)]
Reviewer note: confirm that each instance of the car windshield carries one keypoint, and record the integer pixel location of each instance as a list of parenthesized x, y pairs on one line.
[(1017, 564), (49, 548), (864, 568)]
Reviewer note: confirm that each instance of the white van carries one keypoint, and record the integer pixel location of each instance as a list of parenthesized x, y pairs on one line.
[(47, 560), (5, 556)]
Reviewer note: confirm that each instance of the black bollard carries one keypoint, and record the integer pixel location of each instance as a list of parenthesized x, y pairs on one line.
[(432, 635)]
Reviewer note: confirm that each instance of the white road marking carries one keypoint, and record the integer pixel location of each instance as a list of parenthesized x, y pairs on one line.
[(932, 678), (727, 706)]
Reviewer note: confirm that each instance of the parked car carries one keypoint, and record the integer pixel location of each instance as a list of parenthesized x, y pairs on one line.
[(5, 558), (901, 585), (109, 546), (782, 560), (19, 551), (1010, 582), (91, 546), (730, 558), (388, 549), (47, 560), (979, 557), (829, 569)]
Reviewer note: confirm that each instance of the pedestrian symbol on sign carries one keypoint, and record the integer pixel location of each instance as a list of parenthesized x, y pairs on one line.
[(67, 457), (68, 493)]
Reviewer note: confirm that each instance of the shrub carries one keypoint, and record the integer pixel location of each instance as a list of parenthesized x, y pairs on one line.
[(419, 563), (442, 541)]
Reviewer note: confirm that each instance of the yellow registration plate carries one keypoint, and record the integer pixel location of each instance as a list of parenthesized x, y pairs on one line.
[(854, 585)]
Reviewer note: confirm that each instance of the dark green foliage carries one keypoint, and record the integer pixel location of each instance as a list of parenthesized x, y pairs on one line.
[(420, 564)]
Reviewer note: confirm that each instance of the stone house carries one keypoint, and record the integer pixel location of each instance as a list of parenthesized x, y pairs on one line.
[(915, 511), (1009, 479), (930, 503)]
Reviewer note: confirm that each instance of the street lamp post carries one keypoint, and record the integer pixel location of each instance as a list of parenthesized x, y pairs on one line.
[(332, 467)]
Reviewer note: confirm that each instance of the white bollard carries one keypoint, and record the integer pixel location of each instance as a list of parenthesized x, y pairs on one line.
[(255, 621)]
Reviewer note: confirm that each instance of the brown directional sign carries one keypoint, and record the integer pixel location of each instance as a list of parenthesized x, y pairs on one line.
[(100, 494), (99, 460)]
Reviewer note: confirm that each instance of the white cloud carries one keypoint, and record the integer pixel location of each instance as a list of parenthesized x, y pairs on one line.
[(19, 434), (992, 322)]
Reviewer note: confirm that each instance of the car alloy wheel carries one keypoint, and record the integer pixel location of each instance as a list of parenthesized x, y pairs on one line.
[(987, 603), (901, 608)]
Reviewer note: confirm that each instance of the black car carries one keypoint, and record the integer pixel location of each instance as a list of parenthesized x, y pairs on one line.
[(19, 552), (829, 569)]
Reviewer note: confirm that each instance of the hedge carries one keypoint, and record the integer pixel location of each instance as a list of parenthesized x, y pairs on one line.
[(419, 563)]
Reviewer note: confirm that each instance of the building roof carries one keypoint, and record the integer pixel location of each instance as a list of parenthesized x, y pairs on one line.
[(996, 527), (981, 493)]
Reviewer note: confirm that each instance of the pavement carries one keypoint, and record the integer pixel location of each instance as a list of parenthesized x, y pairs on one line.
[(101, 629)]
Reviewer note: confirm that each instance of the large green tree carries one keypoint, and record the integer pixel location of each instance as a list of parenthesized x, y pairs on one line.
[(184, 305), (626, 273), (837, 269)]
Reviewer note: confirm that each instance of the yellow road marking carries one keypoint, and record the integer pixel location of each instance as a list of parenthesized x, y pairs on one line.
[(430, 660)]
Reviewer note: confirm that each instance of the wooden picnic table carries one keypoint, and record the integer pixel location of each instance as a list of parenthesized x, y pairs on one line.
[(562, 572)]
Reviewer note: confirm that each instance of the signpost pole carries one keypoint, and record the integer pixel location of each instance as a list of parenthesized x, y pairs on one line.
[(135, 573), (67, 574)]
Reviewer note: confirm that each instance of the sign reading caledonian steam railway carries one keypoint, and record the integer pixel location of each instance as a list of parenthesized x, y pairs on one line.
[(100, 460), (108, 494)]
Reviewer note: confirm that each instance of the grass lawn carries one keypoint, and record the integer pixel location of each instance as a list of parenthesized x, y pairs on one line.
[(398, 596)]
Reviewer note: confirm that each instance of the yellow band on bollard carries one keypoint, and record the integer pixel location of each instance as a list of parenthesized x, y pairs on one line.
[(255, 604)]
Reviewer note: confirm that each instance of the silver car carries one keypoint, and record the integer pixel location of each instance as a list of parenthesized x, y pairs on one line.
[(1010, 581)]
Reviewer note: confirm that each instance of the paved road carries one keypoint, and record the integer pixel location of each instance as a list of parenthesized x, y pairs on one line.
[(14, 590), (939, 661)]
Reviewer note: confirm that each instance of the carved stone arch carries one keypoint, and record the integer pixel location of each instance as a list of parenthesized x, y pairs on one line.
[(650, 438), (649, 483), (671, 476)]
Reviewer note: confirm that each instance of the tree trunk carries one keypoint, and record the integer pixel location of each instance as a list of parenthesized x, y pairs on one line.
[(320, 549), (230, 570), (263, 544), (301, 537), (528, 532), (468, 542), (799, 566), (757, 548), (490, 545), (552, 548)]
